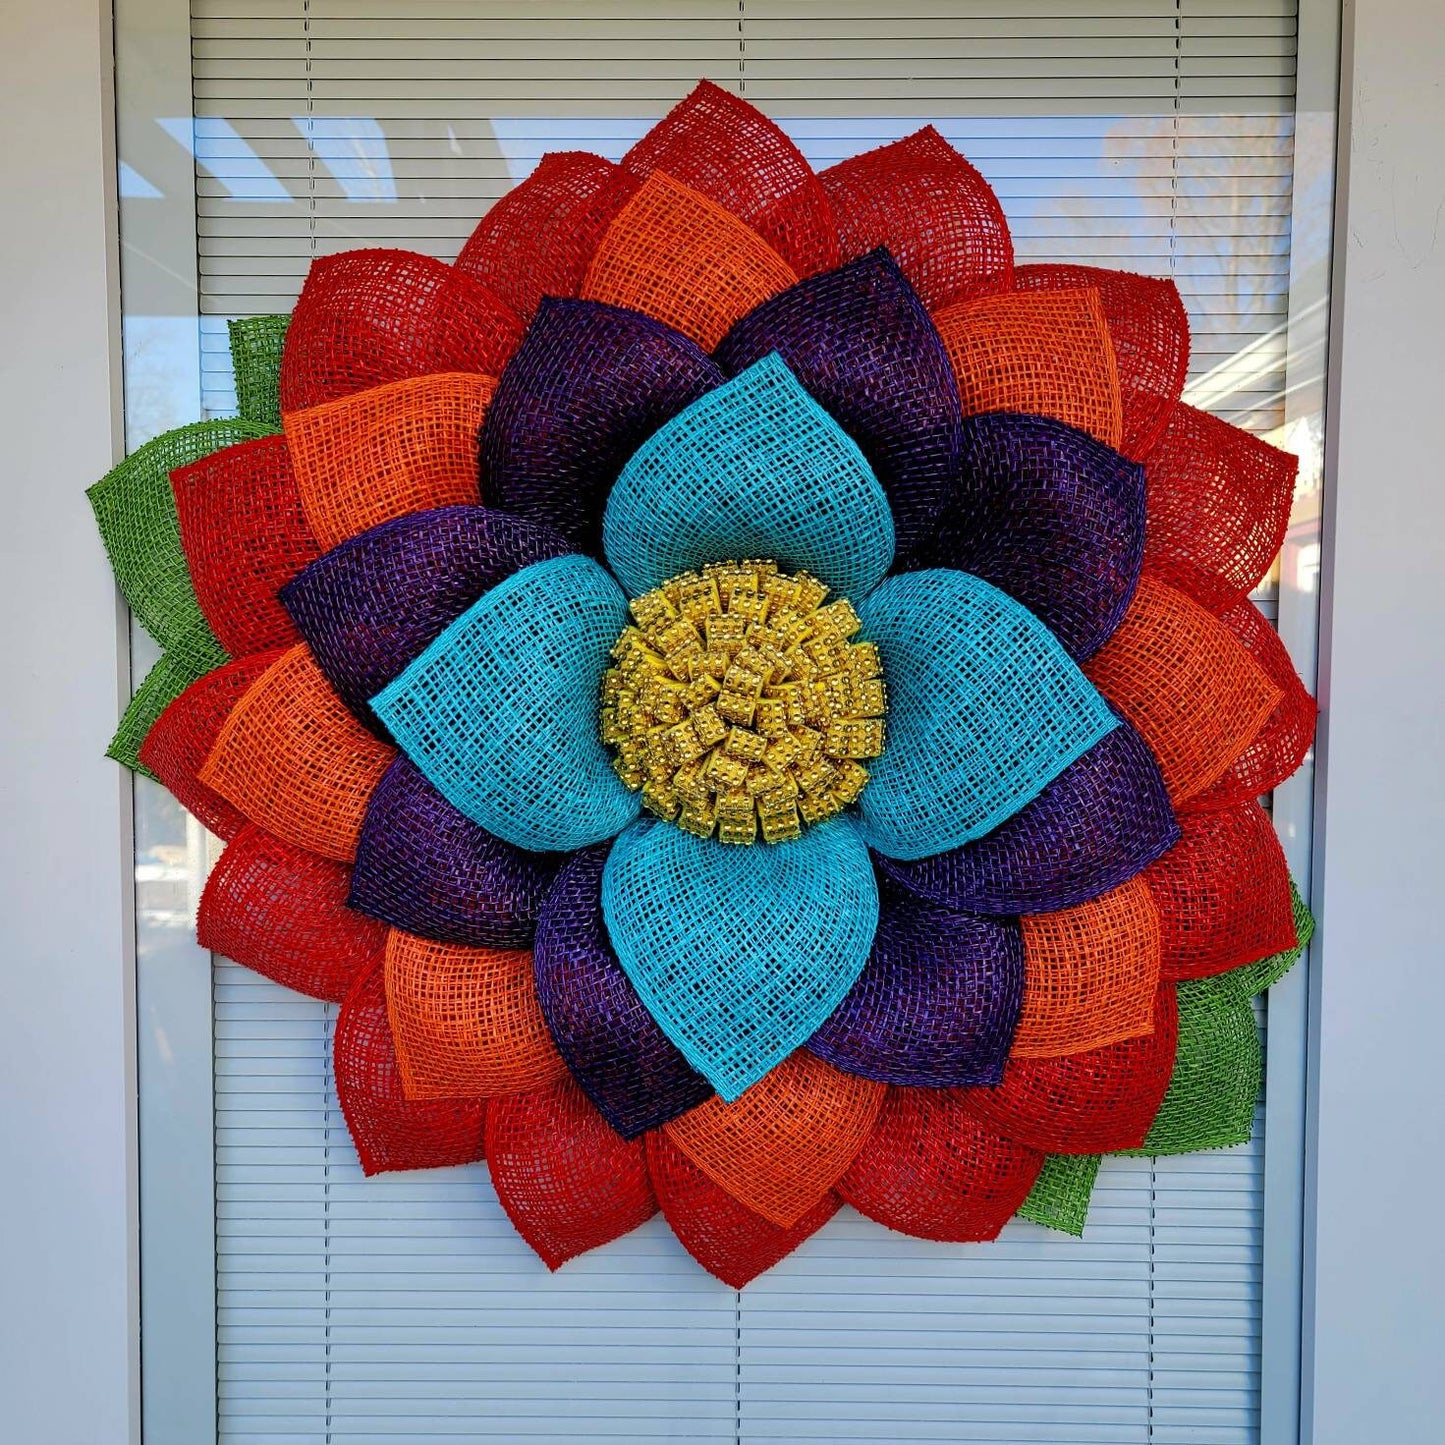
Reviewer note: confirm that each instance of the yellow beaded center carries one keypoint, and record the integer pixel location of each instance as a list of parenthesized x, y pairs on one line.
[(739, 706)]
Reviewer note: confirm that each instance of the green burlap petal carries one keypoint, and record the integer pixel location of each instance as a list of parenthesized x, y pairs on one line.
[(1061, 1193), (256, 343), (160, 687)]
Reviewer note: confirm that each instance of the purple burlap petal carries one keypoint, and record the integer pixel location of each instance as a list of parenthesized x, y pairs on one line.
[(1105, 818), (589, 384), (861, 341), (1050, 516), (625, 1064), (424, 867), (373, 604), (937, 1003)]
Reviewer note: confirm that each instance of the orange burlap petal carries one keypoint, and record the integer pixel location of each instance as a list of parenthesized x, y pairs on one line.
[(382, 453), (1090, 974), (466, 1021), (294, 760), (1187, 683), (1044, 353), (677, 256), (781, 1146)]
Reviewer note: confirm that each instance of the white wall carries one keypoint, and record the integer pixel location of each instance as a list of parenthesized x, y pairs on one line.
[(67, 1288)]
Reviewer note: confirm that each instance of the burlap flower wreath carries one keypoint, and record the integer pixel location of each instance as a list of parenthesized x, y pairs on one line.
[(892, 581)]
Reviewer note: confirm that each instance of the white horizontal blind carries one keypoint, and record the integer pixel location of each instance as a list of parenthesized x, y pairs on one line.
[(1147, 134)]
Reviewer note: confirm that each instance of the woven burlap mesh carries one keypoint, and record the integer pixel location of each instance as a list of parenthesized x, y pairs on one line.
[(862, 343), (936, 1003), (787, 1142), (372, 605), (985, 709), (245, 536), (1045, 353), (500, 712), (405, 447), (292, 759), (256, 345), (1150, 332), (179, 742), (1090, 974), (282, 911), (754, 469), (1060, 1196), (466, 1020), (1053, 517), (368, 318), (725, 1237), (630, 1070), (1264, 973), (1223, 893), (933, 211), (740, 954), (566, 1180), (537, 240), (1219, 503), (159, 688), (931, 1170), (675, 255), (1088, 1103), (389, 1130), (1102, 820), (589, 384), (1187, 683), (424, 867), (732, 153)]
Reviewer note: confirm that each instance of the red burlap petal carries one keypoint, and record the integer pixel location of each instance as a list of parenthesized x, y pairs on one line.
[(1222, 893), (567, 1182), (389, 1130), (724, 1237), (181, 739), (732, 153), (1219, 502), (366, 318), (930, 1169), (1150, 333), (282, 911), (937, 216), (537, 239), (245, 536), (1090, 1103)]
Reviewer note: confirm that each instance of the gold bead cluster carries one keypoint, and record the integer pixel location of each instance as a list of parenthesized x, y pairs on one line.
[(739, 706)]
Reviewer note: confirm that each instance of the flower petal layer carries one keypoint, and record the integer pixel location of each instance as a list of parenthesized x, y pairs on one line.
[(1051, 516), (755, 469), (931, 1170), (1061, 1194), (245, 536), (630, 1070), (1091, 974), (374, 603), (936, 1004), (1264, 973), (933, 211), (292, 759), (1102, 820), (465, 1020), (985, 709), (782, 1146), (566, 1180), (537, 240), (861, 342), (1183, 679), (424, 867), (500, 712), (673, 254), (367, 318), (739, 953), (732, 153), (589, 384), (281, 911)]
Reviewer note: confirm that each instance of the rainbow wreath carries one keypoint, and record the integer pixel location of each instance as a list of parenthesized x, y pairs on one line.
[(746, 697)]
